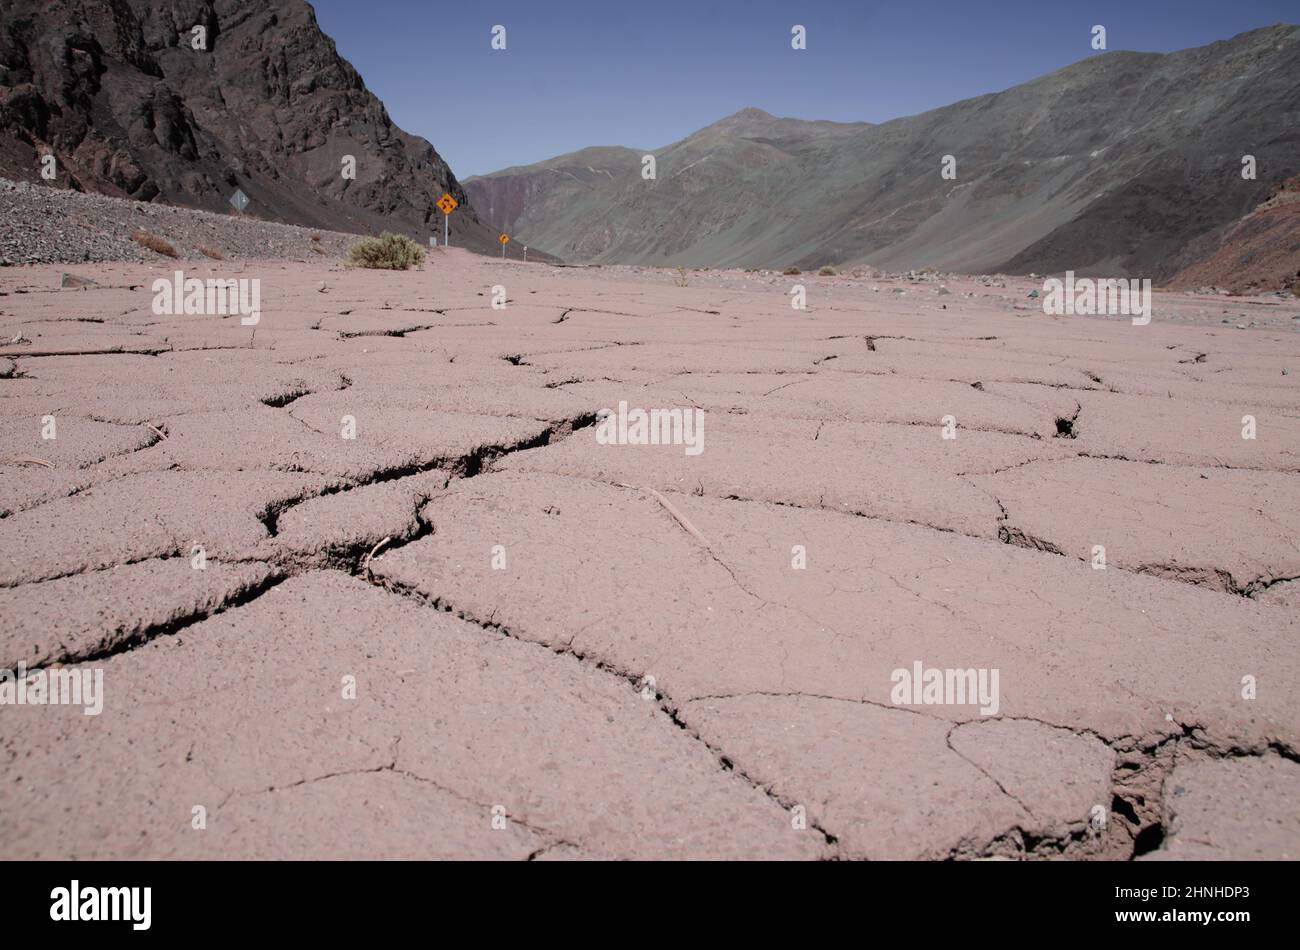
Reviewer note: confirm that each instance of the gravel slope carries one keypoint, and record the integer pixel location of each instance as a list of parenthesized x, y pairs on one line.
[(41, 225)]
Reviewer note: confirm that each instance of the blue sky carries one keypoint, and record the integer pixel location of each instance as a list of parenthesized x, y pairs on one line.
[(644, 73)]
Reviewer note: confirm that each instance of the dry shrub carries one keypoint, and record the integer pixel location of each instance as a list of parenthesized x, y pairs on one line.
[(386, 252), (211, 252), (154, 243)]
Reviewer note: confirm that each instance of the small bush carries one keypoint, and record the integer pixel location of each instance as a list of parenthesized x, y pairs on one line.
[(827, 271), (154, 243), (386, 252), (211, 252), (683, 278), (791, 271), (315, 237)]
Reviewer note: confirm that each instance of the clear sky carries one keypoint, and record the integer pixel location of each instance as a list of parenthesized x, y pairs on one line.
[(644, 73)]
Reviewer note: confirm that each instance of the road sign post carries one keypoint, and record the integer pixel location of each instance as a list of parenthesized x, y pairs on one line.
[(504, 239), (446, 204)]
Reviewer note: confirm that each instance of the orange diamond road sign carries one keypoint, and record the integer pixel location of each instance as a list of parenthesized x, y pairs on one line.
[(504, 238), (447, 204)]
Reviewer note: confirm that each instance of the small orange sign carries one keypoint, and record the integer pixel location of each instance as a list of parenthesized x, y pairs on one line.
[(504, 238), (447, 204)]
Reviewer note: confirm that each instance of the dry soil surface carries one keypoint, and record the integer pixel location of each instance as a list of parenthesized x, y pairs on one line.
[(363, 581)]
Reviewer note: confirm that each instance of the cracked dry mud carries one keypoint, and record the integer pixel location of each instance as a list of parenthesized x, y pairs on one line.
[(648, 677)]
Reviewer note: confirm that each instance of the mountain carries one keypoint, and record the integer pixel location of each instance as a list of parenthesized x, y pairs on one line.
[(1260, 251), (594, 205), (1112, 165), (547, 187), (114, 89)]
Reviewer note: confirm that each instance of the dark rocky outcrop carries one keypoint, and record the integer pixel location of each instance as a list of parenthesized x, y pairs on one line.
[(114, 89)]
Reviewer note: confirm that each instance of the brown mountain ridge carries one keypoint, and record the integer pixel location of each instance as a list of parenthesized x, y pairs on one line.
[(1115, 165)]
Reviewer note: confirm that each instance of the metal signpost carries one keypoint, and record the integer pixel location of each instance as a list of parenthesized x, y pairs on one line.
[(446, 204)]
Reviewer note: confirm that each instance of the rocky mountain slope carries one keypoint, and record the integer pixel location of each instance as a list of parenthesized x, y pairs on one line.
[(116, 91), (1111, 165), (1261, 251)]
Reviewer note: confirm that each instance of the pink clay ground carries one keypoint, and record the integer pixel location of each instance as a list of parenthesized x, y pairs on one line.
[(565, 649)]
